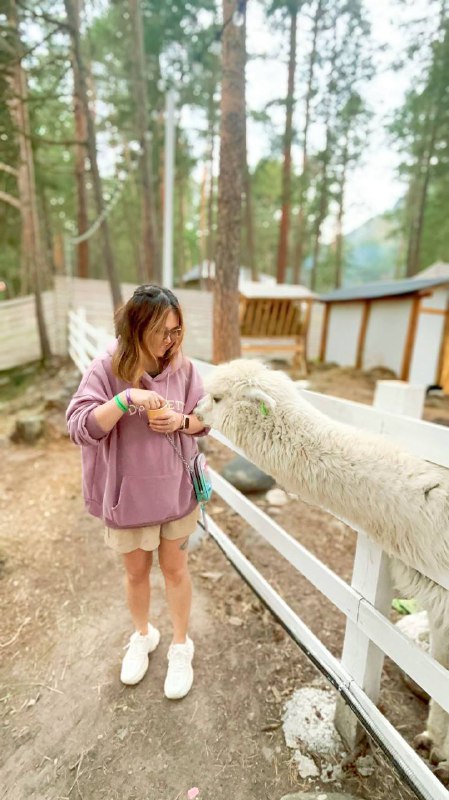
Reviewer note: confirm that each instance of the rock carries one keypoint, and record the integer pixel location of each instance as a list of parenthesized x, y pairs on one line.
[(246, 477), (365, 766), (306, 766), (308, 721), (416, 627), (276, 497), (29, 429), (58, 400)]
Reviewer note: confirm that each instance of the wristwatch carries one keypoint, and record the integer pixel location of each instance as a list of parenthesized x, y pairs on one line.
[(185, 423)]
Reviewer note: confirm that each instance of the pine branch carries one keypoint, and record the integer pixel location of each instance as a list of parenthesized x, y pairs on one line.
[(7, 168), (43, 16), (10, 199)]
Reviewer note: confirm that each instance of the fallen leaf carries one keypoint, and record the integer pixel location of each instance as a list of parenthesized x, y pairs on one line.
[(271, 726), (276, 693), (216, 509), (211, 576)]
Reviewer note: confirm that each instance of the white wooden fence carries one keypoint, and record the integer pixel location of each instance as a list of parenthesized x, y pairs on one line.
[(19, 338), (366, 602)]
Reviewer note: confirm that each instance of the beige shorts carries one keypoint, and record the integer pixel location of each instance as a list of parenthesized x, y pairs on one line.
[(125, 540)]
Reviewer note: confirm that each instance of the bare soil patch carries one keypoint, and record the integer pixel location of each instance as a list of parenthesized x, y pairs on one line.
[(69, 728)]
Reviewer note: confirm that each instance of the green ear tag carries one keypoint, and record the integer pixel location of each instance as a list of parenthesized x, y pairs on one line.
[(263, 409)]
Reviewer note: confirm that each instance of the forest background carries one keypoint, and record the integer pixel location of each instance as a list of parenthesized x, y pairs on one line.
[(82, 124)]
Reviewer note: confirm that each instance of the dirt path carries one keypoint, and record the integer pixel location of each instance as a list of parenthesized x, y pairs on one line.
[(71, 730), (70, 727)]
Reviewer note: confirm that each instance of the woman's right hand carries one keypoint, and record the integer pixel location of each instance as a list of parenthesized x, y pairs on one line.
[(146, 398)]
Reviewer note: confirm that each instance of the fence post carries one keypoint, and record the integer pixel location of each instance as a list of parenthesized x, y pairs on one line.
[(371, 578)]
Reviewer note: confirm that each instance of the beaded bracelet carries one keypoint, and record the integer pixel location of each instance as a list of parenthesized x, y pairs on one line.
[(120, 404)]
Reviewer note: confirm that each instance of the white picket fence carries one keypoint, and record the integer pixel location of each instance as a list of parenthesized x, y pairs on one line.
[(366, 602)]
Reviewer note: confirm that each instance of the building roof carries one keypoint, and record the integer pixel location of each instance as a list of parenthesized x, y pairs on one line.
[(206, 270), (438, 270), (277, 291), (371, 291)]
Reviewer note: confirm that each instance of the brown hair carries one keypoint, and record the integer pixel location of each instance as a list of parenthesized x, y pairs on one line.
[(136, 323)]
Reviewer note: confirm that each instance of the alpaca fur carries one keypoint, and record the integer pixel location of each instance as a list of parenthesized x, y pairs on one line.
[(398, 500)]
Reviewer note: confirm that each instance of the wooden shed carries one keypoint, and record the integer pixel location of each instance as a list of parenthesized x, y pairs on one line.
[(402, 325), (275, 319)]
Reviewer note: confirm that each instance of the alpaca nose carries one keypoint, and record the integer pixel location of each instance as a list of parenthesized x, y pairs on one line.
[(203, 406)]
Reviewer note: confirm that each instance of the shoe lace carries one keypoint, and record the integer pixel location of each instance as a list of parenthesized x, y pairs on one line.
[(136, 646), (179, 659)]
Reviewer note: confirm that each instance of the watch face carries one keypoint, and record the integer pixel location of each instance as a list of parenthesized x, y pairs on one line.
[(186, 422)]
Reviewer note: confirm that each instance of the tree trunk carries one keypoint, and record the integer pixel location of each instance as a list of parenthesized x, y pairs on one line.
[(284, 227), (249, 215), (203, 224), (80, 160), (249, 220), (230, 184), (137, 244), (181, 223), (33, 257), (149, 227), (300, 249), (92, 150), (211, 198), (322, 213), (417, 222), (340, 213)]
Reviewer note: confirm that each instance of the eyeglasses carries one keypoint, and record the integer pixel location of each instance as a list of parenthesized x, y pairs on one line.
[(173, 335)]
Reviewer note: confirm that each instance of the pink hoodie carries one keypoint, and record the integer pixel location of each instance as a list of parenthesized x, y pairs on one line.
[(132, 476)]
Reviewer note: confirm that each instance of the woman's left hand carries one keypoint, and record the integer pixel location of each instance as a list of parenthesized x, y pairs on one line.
[(169, 423)]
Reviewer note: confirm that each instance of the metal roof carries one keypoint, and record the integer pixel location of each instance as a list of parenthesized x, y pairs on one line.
[(368, 291)]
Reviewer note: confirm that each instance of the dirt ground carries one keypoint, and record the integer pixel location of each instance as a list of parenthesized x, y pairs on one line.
[(70, 729)]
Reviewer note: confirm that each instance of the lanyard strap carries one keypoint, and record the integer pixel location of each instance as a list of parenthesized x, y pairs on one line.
[(179, 454)]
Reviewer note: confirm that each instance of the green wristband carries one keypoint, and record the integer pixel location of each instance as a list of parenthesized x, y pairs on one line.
[(120, 404)]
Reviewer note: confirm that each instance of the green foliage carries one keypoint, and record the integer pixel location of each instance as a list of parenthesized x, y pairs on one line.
[(419, 130), (181, 40)]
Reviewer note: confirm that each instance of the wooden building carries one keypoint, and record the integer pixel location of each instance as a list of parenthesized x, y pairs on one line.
[(402, 325)]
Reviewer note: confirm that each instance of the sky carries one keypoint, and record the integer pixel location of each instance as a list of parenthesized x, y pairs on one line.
[(374, 186)]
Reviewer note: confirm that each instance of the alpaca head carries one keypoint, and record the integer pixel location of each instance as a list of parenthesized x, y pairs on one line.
[(242, 380)]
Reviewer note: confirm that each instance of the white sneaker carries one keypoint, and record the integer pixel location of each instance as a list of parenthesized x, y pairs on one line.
[(180, 673), (135, 663)]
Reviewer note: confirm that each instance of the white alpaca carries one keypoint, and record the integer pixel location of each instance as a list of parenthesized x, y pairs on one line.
[(400, 501)]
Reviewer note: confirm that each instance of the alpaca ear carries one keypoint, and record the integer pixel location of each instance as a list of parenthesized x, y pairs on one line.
[(264, 399)]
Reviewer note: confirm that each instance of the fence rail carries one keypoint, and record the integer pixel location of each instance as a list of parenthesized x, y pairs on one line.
[(369, 633)]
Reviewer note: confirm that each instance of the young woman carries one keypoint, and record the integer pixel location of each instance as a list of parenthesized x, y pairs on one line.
[(133, 478)]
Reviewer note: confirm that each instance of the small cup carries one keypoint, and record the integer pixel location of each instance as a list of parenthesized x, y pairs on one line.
[(154, 413)]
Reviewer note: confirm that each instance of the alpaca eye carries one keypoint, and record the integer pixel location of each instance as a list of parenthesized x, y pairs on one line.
[(216, 399)]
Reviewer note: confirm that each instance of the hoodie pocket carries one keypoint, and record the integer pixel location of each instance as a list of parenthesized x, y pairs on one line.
[(149, 500)]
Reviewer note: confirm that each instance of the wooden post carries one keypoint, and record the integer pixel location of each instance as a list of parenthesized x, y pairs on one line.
[(371, 578), (411, 336), (324, 330), (361, 658), (362, 333)]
